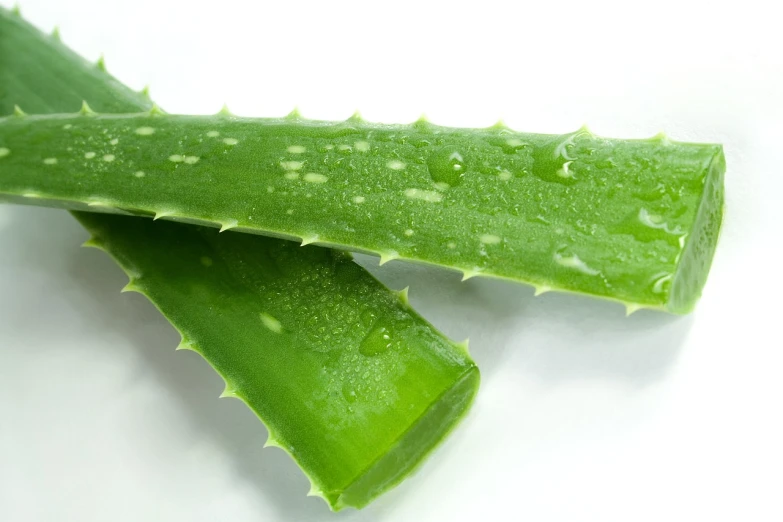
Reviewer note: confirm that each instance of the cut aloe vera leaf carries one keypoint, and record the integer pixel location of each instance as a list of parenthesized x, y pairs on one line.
[(349, 380), (631, 220)]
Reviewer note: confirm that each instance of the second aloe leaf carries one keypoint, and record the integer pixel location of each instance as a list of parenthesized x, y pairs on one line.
[(349, 380)]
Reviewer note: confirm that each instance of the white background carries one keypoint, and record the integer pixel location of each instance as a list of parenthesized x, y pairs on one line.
[(583, 415)]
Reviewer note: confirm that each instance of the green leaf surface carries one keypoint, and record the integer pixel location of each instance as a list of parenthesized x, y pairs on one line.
[(631, 220), (349, 380)]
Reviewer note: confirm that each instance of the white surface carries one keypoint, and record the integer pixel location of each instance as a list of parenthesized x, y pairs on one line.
[(583, 415)]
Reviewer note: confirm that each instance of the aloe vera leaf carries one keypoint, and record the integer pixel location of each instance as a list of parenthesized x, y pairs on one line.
[(349, 380), (632, 220)]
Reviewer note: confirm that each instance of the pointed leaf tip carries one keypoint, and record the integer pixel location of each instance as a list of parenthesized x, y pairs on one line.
[(228, 225), (93, 243), (469, 274), (86, 110), (315, 491), (356, 117), (631, 308), (131, 287), (224, 111), (185, 344), (156, 111), (422, 121), (309, 240), (386, 257), (464, 346), (101, 63), (294, 114), (145, 92), (56, 33), (661, 138), (584, 129), (271, 442), (16, 10), (228, 393), (403, 296), (542, 289)]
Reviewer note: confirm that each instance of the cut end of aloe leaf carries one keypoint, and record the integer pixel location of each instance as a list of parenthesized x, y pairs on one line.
[(407, 453), (696, 258)]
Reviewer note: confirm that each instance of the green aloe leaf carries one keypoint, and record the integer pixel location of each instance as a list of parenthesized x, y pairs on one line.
[(631, 220), (349, 380)]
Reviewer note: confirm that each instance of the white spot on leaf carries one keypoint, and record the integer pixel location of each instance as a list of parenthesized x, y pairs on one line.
[(296, 149), (395, 164), (145, 131), (490, 239), (358, 199), (362, 146), (291, 165), (108, 158), (312, 177), (89, 155), (230, 141), (177, 158), (423, 195), (4, 152), (271, 323), (575, 263), (50, 161)]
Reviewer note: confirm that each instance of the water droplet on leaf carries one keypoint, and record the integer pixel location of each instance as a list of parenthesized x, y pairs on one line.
[(447, 165), (378, 341)]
